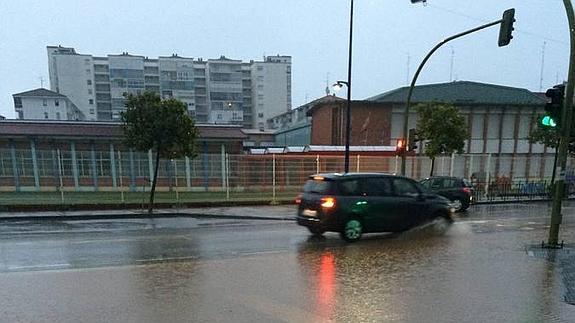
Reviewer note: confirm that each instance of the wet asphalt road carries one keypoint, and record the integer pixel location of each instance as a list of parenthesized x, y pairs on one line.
[(196, 270)]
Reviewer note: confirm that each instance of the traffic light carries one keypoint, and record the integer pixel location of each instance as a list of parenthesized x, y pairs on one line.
[(400, 146), (552, 116), (506, 27), (413, 138)]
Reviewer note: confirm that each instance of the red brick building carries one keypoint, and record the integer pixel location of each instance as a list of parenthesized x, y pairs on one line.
[(370, 123)]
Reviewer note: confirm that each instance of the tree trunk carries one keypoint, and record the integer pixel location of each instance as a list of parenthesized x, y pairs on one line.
[(432, 167), (153, 191)]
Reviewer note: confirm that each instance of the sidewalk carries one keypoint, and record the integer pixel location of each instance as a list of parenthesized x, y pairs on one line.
[(276, 212)]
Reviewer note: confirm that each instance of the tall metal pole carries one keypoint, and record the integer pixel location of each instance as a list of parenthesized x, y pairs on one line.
[(410, 92), (348, 110), (566, 115)]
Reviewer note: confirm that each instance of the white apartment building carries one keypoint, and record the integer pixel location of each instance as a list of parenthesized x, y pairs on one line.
[(72, 75), (43, 104), (271, 88), (218, 91)]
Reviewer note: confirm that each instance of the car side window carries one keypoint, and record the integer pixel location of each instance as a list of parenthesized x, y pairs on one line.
[(436, 183), (403, 187), (376, 187), (350, 187)]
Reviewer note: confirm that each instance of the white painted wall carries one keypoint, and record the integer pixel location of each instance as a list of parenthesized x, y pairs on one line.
[(34, 109), (70, 75)]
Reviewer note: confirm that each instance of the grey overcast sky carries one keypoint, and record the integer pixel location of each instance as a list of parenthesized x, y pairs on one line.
[(313, 32)]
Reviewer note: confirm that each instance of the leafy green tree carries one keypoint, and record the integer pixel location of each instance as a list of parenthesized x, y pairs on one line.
[(160, 125), (550, 136), (546, 136), (443, 128)]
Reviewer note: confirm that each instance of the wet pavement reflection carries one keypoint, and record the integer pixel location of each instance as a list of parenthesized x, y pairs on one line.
[(476, 270)]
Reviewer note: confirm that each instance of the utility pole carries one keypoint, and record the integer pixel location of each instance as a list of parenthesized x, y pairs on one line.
[(565, 130), (348, 110)]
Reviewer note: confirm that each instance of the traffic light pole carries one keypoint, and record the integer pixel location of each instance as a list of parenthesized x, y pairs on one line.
[(566, 115), (410, 92)]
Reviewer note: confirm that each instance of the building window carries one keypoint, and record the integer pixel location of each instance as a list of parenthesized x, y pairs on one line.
[(260, 115), (88, 71), (44, 102), (260, 68), (91, 101), (57, 103), (89, 91), (45, 115), (89, 82), (219, 116), (91, 111), (57, 115)]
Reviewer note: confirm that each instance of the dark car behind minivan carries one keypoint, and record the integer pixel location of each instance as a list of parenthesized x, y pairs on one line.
[(357, 203), (458, 190)]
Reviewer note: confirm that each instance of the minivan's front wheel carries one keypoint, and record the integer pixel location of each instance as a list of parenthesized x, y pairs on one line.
[(457, 204), (352, 230)]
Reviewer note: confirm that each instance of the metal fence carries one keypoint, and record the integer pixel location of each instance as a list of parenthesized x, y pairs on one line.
[(260, 175)]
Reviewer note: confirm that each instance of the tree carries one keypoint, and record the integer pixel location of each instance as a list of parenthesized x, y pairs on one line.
[(546, 136), (443, 128), (160, 125)]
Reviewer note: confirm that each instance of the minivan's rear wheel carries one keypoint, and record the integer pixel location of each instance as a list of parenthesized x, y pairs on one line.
[(316, 231), (352, 230)]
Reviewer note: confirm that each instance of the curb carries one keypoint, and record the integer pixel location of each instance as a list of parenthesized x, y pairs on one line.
[(132, 206), (138, 216)]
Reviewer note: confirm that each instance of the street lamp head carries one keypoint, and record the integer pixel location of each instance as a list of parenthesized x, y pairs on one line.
[(338, 85)]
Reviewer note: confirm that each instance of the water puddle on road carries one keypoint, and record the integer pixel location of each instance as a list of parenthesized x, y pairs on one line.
[(563, 261), (438, 227)]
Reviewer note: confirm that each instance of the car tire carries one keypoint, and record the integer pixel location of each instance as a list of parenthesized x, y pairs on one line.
[(316, 231), (459, 205), (352, 230)]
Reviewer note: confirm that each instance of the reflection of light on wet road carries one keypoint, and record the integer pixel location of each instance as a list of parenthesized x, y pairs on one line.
[(326, 287)]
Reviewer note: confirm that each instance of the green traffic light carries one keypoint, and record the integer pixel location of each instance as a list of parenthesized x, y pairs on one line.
[(548, 121)]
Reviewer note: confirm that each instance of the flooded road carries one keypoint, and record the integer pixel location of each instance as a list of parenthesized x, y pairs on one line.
[(189, 270)]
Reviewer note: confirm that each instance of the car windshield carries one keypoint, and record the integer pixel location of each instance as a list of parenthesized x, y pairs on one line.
[(424, 184)]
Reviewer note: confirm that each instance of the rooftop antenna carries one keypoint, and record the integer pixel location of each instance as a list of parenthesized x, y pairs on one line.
[(327, 84), (542, 65), (41, 81)]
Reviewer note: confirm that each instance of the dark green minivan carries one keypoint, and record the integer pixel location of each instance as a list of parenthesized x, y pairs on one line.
[(357, 203)]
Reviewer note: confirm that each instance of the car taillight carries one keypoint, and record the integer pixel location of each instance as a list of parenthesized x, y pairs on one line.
[(327, 202), (467, 190), (298, 199)]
